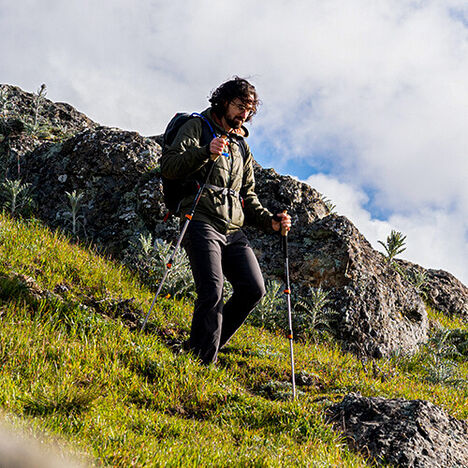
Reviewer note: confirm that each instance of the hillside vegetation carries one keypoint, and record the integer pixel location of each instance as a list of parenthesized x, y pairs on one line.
[(74, 364)]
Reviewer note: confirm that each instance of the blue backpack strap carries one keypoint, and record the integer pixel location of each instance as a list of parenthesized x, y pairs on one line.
[(195, 114)]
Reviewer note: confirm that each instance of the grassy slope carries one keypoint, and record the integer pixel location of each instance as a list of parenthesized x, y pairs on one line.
[(130, 399)]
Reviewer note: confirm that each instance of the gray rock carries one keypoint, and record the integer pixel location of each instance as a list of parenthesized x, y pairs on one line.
[(112, 169), (379, 312), (56, 121), (443, 291), (404, 433)]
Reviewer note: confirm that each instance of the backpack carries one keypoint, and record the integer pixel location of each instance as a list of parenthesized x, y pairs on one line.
[(174, 191)]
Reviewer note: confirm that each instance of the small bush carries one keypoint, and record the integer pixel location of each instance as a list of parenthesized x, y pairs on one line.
[(312, 313), (415, 277), (37, 104), (16, 197), (309, 314), (394, 245), (331, 207), (441, 353), (150, 261), (75, 221), (267, 313)]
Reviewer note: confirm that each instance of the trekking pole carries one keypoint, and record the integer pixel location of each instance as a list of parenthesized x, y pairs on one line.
[(188, 217), (287, 291)]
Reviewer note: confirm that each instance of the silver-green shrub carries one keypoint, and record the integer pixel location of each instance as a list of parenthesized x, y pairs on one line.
[(441, 354), (37, 104), (75, 221), (16, 197), (267, 313), (310, 313), (313, 313), (150, 261)]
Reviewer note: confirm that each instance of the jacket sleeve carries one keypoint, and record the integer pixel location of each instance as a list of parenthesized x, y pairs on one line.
[(185, 155), (255, 213)]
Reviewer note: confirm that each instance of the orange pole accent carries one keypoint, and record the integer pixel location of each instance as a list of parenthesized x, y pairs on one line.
[(287, 291), (189, 217), (169, 265), (290, 337)]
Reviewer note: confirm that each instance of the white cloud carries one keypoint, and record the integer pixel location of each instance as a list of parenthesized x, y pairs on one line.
[(376, 91)]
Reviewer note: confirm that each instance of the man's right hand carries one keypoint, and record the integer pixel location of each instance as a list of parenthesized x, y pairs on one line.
[(217, 147), (284, 223)]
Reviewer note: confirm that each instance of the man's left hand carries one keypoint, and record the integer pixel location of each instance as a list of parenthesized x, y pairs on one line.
[(285, 222)]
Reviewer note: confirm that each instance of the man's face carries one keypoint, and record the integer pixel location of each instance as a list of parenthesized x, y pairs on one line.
[(237, 112)]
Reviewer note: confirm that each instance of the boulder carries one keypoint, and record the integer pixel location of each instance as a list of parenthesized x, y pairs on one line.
[(442, 290), (303, 203), (402, 433), (378, 311), (111, 168), (55, 121)]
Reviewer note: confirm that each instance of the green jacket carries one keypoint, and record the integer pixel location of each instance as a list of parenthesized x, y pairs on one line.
[(186, 159)]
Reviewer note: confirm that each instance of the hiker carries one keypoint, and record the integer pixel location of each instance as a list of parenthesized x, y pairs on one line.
[(214, 240)]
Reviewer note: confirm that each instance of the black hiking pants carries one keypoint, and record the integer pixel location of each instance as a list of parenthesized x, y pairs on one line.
[(213, 255)]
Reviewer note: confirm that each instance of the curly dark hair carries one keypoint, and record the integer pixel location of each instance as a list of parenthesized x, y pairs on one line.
[(237, 88)]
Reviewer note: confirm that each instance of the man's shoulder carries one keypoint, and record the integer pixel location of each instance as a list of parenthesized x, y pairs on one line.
[(192, 122), (198, 123), (184, 126)]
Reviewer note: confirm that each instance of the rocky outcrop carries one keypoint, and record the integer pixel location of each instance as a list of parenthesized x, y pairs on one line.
[(26, 124), (16, 103), (379, 312), (403, 433), (111, 168), (441, 290), (303, 203), (446, 293), (116, 174)]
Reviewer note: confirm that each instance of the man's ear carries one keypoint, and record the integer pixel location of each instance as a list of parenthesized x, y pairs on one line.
[(225, 105)]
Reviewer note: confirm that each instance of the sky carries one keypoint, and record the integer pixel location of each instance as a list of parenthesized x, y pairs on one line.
[(365, 100)]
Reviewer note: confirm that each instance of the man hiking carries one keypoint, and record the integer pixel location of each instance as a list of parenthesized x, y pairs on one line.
[(214, 240)]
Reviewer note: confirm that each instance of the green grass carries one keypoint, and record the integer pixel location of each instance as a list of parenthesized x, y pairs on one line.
[(74, 364)]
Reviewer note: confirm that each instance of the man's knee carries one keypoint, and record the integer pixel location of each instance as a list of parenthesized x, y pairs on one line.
[(210, 295), (254, 293), (261, 291)]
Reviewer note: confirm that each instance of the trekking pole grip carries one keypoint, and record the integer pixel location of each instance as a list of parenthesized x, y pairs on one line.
[(284, 230)]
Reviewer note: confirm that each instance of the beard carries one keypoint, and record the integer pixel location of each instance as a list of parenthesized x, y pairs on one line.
[(235, 122)]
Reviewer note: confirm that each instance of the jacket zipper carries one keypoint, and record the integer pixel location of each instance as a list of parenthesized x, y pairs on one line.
[(230, 204)]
